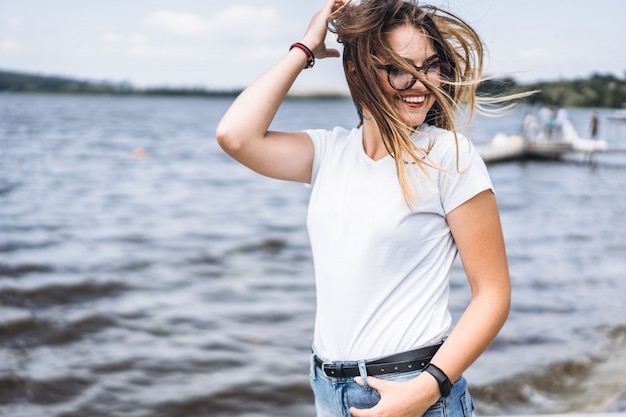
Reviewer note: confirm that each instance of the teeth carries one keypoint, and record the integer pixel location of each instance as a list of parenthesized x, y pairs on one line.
[(414, 99)]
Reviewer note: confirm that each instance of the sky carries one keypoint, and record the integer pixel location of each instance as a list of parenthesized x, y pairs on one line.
[(227, 44)]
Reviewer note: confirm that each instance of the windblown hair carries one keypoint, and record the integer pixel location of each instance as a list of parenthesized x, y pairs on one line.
[(362, 28)]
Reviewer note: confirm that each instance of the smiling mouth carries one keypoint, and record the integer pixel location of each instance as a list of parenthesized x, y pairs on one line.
[(414, 99)]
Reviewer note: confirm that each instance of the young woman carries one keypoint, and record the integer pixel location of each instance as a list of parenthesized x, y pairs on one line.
[(393, 202)]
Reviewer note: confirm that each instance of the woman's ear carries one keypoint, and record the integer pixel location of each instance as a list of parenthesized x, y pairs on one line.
[(351, 75)]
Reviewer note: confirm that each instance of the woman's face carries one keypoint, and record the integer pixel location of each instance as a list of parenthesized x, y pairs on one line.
[(412, 101)]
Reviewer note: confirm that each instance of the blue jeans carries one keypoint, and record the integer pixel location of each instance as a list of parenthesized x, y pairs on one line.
[(335, 396)]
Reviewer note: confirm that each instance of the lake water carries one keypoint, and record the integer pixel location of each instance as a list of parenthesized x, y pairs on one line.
[(145, 273)]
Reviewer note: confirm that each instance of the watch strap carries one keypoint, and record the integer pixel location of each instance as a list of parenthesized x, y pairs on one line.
[(445, 386)]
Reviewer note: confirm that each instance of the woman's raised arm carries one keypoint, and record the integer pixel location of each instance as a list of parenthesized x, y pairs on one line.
[(243, 131)]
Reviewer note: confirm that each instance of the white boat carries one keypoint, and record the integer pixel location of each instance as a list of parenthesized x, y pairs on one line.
[(502, 147), (546, 136), (619, 115), (551, 135)]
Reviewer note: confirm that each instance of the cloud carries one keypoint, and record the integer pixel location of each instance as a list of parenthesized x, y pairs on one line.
[(161, 52), (9, 46), (157, 42), (146, 45), (15, 22), (534, 53), (244, 16), (246, 23), (177, 23), (111, 37), (166, 34)]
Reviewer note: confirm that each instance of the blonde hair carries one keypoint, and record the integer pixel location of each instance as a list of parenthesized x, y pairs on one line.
[(362, 28)]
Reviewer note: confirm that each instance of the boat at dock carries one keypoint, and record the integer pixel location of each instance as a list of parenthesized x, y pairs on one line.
[(545, 136), (619, 115)]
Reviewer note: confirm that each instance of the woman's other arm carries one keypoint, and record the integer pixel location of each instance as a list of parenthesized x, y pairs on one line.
[(476, 228), (477, 231)]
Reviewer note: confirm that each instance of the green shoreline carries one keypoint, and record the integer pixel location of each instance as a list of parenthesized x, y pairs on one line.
[(26, 83), (599, 90)]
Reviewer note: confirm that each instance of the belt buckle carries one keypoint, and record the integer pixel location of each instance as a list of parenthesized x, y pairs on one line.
[(331, 370)]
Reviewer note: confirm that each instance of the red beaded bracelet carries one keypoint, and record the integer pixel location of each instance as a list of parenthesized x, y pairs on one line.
[(310, 58)]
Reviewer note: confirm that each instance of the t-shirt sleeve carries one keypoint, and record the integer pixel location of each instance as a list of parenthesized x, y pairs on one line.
[(461, 181), (320, 139)]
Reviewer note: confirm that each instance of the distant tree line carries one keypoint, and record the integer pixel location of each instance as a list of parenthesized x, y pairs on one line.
[(596, 91), (17, 82)]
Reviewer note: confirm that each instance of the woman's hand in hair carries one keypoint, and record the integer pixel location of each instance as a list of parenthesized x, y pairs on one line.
[(315, 36)]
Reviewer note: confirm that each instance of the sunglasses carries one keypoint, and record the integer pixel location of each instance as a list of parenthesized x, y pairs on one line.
[(402, 80)]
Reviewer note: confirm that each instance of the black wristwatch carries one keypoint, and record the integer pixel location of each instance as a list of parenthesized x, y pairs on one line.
[(444, 382)]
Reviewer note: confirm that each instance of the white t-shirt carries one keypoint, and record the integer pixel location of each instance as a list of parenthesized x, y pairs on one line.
[(382, 270)]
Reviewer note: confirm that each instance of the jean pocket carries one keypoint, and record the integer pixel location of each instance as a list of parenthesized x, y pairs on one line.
[(467, 405), (360, 397)]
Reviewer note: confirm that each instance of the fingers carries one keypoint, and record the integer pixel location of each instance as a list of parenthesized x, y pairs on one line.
[(332, 53), (315, 36), (355, 411), (334, 4), (373, 383), (336, 9), (360, 413), (316, 32), (330, 7), (340, 4)]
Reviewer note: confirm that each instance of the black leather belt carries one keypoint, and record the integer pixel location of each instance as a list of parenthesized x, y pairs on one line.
[(412, 360)]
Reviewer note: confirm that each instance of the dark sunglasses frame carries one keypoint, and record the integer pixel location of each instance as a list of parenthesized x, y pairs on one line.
[(443, 68)]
